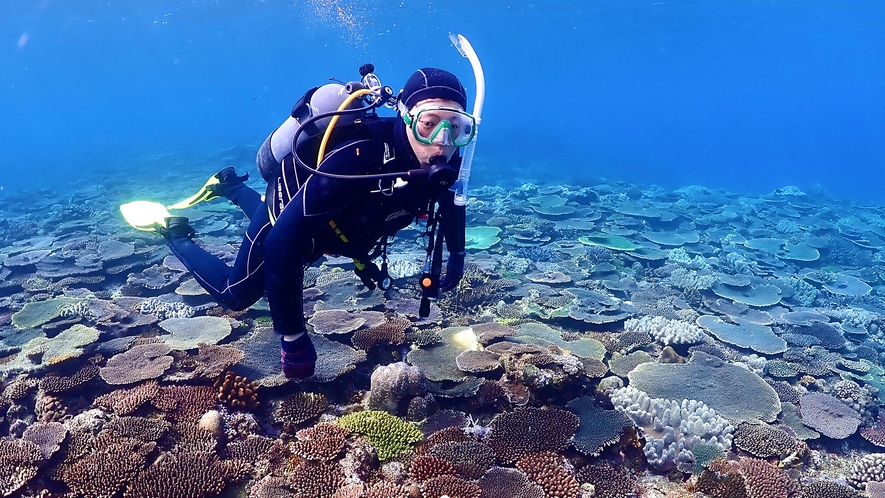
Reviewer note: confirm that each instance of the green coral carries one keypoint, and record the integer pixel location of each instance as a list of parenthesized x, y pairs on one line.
[(389, 434), (263, 321), (37, 313)]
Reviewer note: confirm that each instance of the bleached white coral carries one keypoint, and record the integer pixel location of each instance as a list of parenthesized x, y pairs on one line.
[(672, 428), (666, 331)]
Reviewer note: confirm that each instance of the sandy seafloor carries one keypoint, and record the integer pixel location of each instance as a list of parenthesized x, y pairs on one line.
[(121, 378)]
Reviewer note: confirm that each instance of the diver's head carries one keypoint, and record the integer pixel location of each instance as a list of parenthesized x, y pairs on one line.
[(433, 106)]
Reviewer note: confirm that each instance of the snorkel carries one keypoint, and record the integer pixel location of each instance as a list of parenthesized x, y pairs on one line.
[(466, 50)]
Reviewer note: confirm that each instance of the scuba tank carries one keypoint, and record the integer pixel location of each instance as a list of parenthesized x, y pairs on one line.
[(324, 100)]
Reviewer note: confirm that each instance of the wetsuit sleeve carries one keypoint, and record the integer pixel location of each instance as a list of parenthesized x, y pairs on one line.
[(317, 201), (453, 221)]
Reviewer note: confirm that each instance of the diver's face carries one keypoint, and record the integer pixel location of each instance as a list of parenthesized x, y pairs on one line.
[(427, 153)]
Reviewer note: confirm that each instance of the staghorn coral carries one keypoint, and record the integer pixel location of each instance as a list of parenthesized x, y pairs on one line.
[(389, 435), (103, 471), (447, 486), (322, 442), (546, 469), (299, 408), (237, 392), (126, 401), (186, 474), (529, 430)]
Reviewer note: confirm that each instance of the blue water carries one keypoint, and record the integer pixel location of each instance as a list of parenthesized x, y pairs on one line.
[(743, 95)]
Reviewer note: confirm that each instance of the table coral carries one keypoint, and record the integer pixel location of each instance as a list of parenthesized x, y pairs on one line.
[(598, 427), (828, 415), (530, 430), (734, 392), (145, 361)]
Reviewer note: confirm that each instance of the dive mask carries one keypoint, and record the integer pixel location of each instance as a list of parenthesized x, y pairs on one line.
[(433, 124)]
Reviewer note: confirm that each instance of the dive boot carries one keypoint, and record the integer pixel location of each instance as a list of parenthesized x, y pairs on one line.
[(220, 184), (298, 358)]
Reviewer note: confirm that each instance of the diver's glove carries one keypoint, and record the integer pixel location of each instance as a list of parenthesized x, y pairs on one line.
[(454, 272), (174, 227), (371, 275)]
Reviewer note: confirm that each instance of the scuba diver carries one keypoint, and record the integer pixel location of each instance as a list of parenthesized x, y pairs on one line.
[(379, 175)]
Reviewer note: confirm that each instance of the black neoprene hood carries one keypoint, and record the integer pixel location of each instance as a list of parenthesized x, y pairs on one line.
[(433, 83)]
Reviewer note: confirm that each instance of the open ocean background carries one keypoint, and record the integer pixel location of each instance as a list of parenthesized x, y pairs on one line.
[(743, 95)]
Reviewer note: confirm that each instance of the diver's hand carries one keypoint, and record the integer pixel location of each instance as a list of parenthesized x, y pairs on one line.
[(454, 272)]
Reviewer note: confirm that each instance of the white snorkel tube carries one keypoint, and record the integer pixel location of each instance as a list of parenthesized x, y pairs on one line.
[(460, 186)]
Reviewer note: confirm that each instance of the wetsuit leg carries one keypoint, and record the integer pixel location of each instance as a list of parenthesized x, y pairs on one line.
[(234, 288), (245, 198)]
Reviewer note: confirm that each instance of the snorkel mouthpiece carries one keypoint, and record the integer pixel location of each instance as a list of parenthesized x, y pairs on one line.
[(439, 172)]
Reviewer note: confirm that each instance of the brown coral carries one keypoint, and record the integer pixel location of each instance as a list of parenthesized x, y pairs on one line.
[(513, 483), (19, 462), (323, 441), (237, 392), (471, 459), (317, 480), (53, 383), (300, 408), (126, 401), (609, 479), (186, 475), (393, 332), (424, 467), (763, 440), (102, 472), (450, 486), (545, 469), (141, 428)]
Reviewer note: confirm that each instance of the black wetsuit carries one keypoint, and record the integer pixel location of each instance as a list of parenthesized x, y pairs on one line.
[(273, 256)]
